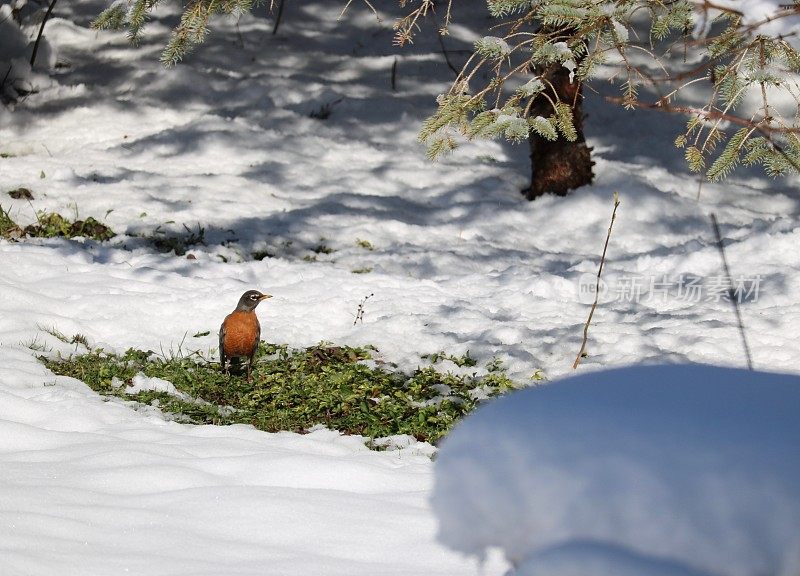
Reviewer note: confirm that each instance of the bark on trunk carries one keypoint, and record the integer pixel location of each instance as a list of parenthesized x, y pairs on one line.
[(559, 166)]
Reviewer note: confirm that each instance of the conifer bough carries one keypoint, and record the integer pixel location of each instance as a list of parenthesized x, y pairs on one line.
[(743, 63)]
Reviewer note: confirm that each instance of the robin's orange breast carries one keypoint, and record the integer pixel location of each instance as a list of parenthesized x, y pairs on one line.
[(242, 331)]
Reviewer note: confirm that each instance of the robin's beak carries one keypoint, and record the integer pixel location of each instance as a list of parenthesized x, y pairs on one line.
[(264, 297)]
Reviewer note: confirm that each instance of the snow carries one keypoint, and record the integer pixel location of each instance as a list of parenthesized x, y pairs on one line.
[(752, 11), (143, 383), (493, 45), (758, 13), (682, 469), (224, 144), (620, 30)]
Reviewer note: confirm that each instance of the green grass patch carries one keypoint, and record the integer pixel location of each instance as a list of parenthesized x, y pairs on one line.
[(261, 254), (365, 244), (295, 389), (8, 228), (323, 249), (166, 242), (52, 225), (461, 361), (320, 249)]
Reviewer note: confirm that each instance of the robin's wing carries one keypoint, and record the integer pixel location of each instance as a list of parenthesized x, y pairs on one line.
[(222, 344), (258, 336)]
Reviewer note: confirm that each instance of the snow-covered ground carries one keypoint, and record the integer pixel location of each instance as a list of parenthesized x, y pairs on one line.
[(640, 471), (225, 143)]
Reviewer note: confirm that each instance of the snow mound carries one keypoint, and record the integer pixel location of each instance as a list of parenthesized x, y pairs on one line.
[(142, 383), (681, 470)]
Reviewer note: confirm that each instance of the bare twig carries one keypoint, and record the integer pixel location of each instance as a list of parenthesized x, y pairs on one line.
[(41, 31), (450, 65), (440, 38), (597, 285), (3, 83), (278, 16), (370, 6), (239, 34), (360, 310), (731, 292)]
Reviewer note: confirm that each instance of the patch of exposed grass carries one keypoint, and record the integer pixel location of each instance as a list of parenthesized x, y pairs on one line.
[(21, 194), (52, 225), (8, 228), (166, 242), (295, 389), (322, 248), (79, 339), (261, 254), (461, 361), (365, 244)]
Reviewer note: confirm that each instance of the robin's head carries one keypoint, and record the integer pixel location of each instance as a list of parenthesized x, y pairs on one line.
[(250, 299)]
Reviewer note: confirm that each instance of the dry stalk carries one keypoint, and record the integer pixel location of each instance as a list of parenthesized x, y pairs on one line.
[(732, 296), (597, 285)]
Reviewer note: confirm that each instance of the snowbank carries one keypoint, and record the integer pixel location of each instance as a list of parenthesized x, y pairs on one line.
[(17, 77), (658, 470)]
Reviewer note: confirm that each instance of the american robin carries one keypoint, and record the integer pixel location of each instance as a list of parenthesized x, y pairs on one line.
[(240, 331)]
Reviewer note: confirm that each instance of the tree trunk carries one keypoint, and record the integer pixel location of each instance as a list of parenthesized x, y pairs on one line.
[(559, 166)]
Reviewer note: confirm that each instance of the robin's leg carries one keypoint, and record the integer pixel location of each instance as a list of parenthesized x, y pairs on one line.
[(223, 362), (250, 364)]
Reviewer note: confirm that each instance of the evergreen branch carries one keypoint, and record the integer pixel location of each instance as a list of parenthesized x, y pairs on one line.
[(730, 156), (794, 162), (111, 18), (763, 123), (406, 27), (738, 58)]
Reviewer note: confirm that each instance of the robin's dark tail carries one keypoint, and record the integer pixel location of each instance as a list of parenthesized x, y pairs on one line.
[(235, 366)]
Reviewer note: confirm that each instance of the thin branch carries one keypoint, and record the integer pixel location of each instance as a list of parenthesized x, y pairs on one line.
[(732, 293), (278, 16), (360, 311), (597, 285), (708, 114), (450, 65), (10, 68), (41, 31), (370, 6)]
